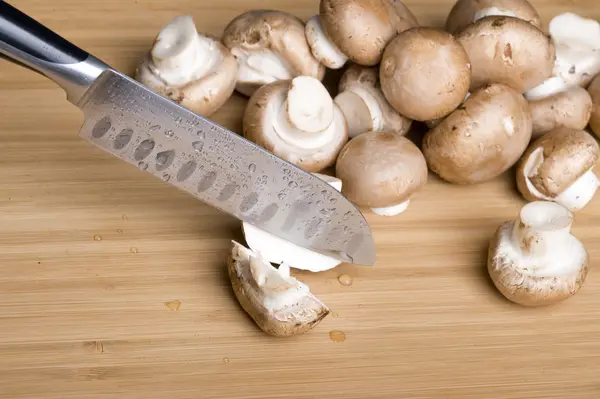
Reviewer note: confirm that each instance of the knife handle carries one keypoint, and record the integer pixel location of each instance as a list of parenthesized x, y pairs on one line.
[(26, 42)]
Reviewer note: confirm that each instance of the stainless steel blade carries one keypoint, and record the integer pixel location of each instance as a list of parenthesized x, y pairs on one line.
[(223, 169)]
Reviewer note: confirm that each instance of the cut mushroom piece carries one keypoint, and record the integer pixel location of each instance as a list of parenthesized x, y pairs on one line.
[(298, 121), (356, 30), (279, 251), (559, 167), (508, 51), (279, 304), (594, 91), (466, 12), (193, 70), (425, 73), (482, 139), (571, 108), (269, 46), (536, 261), (382, 171), (361, 100)]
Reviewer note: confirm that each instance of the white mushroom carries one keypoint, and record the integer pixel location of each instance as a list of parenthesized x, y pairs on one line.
[(279, 304), (536, 261), (193, 70), (279, 251)]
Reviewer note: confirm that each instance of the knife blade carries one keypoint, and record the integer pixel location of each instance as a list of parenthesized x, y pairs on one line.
[(188, 151)]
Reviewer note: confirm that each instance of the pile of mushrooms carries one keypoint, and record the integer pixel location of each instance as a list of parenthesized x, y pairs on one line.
[(493, 91)]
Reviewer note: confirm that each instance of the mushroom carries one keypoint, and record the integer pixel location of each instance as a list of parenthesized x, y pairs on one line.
[(482, 138), (269, 46), (361, 100), (298, 121), (536, 261), (279, 251), (466, 12), (571, 108), (509, 51), (559, 167), (382, 171), (425, 73), (194, 70), (356, 30), (594, 91), (278, 303)]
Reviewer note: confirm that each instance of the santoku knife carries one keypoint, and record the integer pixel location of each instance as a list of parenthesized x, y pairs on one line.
[(192, 153)]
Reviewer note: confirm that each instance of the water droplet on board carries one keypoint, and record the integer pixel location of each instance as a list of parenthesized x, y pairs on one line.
[(173, 305), (101, 127), (337, 336), (345, 280), (133, 250), (198, 146), (207, 181), (186, 170), (164, 159), (225, 360), (144, 149), (123, 139), (97, 237)]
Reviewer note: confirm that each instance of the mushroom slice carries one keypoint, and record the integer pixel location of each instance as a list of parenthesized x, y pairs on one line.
[(356, 30), (425, 74), (278, 303), (536, 261), (482, 138), (298, 121), (382, 171), (571, 108), (361, 100), (594, 90), (269, 46), (193, 70), (509, 51), (558, 167), (465, 12)]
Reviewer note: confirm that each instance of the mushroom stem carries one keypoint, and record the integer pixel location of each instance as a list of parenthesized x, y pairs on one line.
[(391, 210), (323, 49), (580, 193)]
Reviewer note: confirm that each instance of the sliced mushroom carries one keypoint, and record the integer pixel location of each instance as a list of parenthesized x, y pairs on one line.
[(361, 100), (594, 91), (193, 70), (382, 171), (559, 167), (298, 121), (466, 12), (269, 46), (356, 30), (509, 51), (278, 303), (482, 139), (536, 261), (425, 73)]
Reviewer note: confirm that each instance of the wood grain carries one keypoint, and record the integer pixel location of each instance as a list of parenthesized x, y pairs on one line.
[(93, 254)]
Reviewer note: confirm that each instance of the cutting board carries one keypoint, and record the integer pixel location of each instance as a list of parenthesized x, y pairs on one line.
[(113, 284)]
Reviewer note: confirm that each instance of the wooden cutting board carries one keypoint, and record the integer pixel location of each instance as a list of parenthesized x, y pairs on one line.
[(113, 284)]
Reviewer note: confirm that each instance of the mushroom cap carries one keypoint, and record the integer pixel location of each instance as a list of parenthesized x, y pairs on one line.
[(279, 304), (482, 138), (465, 12), (365, 107), (425, 73), (269, 46), (196, 71), (362, 29), (594, 91), (524, 288), (380, 169), (509, 51), (571, 108), (566, 155), (272, 121)]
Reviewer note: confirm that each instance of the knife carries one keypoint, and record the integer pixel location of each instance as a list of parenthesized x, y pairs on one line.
[(162, 138)]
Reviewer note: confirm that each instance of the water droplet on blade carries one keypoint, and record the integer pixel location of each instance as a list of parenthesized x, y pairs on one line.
[(252, 168), (143, 165), (292, 184), (169, 133), (198, 146)]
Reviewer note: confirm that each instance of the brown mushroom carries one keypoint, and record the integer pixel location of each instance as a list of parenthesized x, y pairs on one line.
[(194, 70), (298, 121), (559, 167), (466, 12), (594, 91), (361, 100), (482, 138), (356, 30), (509, 51), (269, 46), (425, 73), (382, 171)]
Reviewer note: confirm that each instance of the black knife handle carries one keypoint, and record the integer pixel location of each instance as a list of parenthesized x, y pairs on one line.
[(26, 42)]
